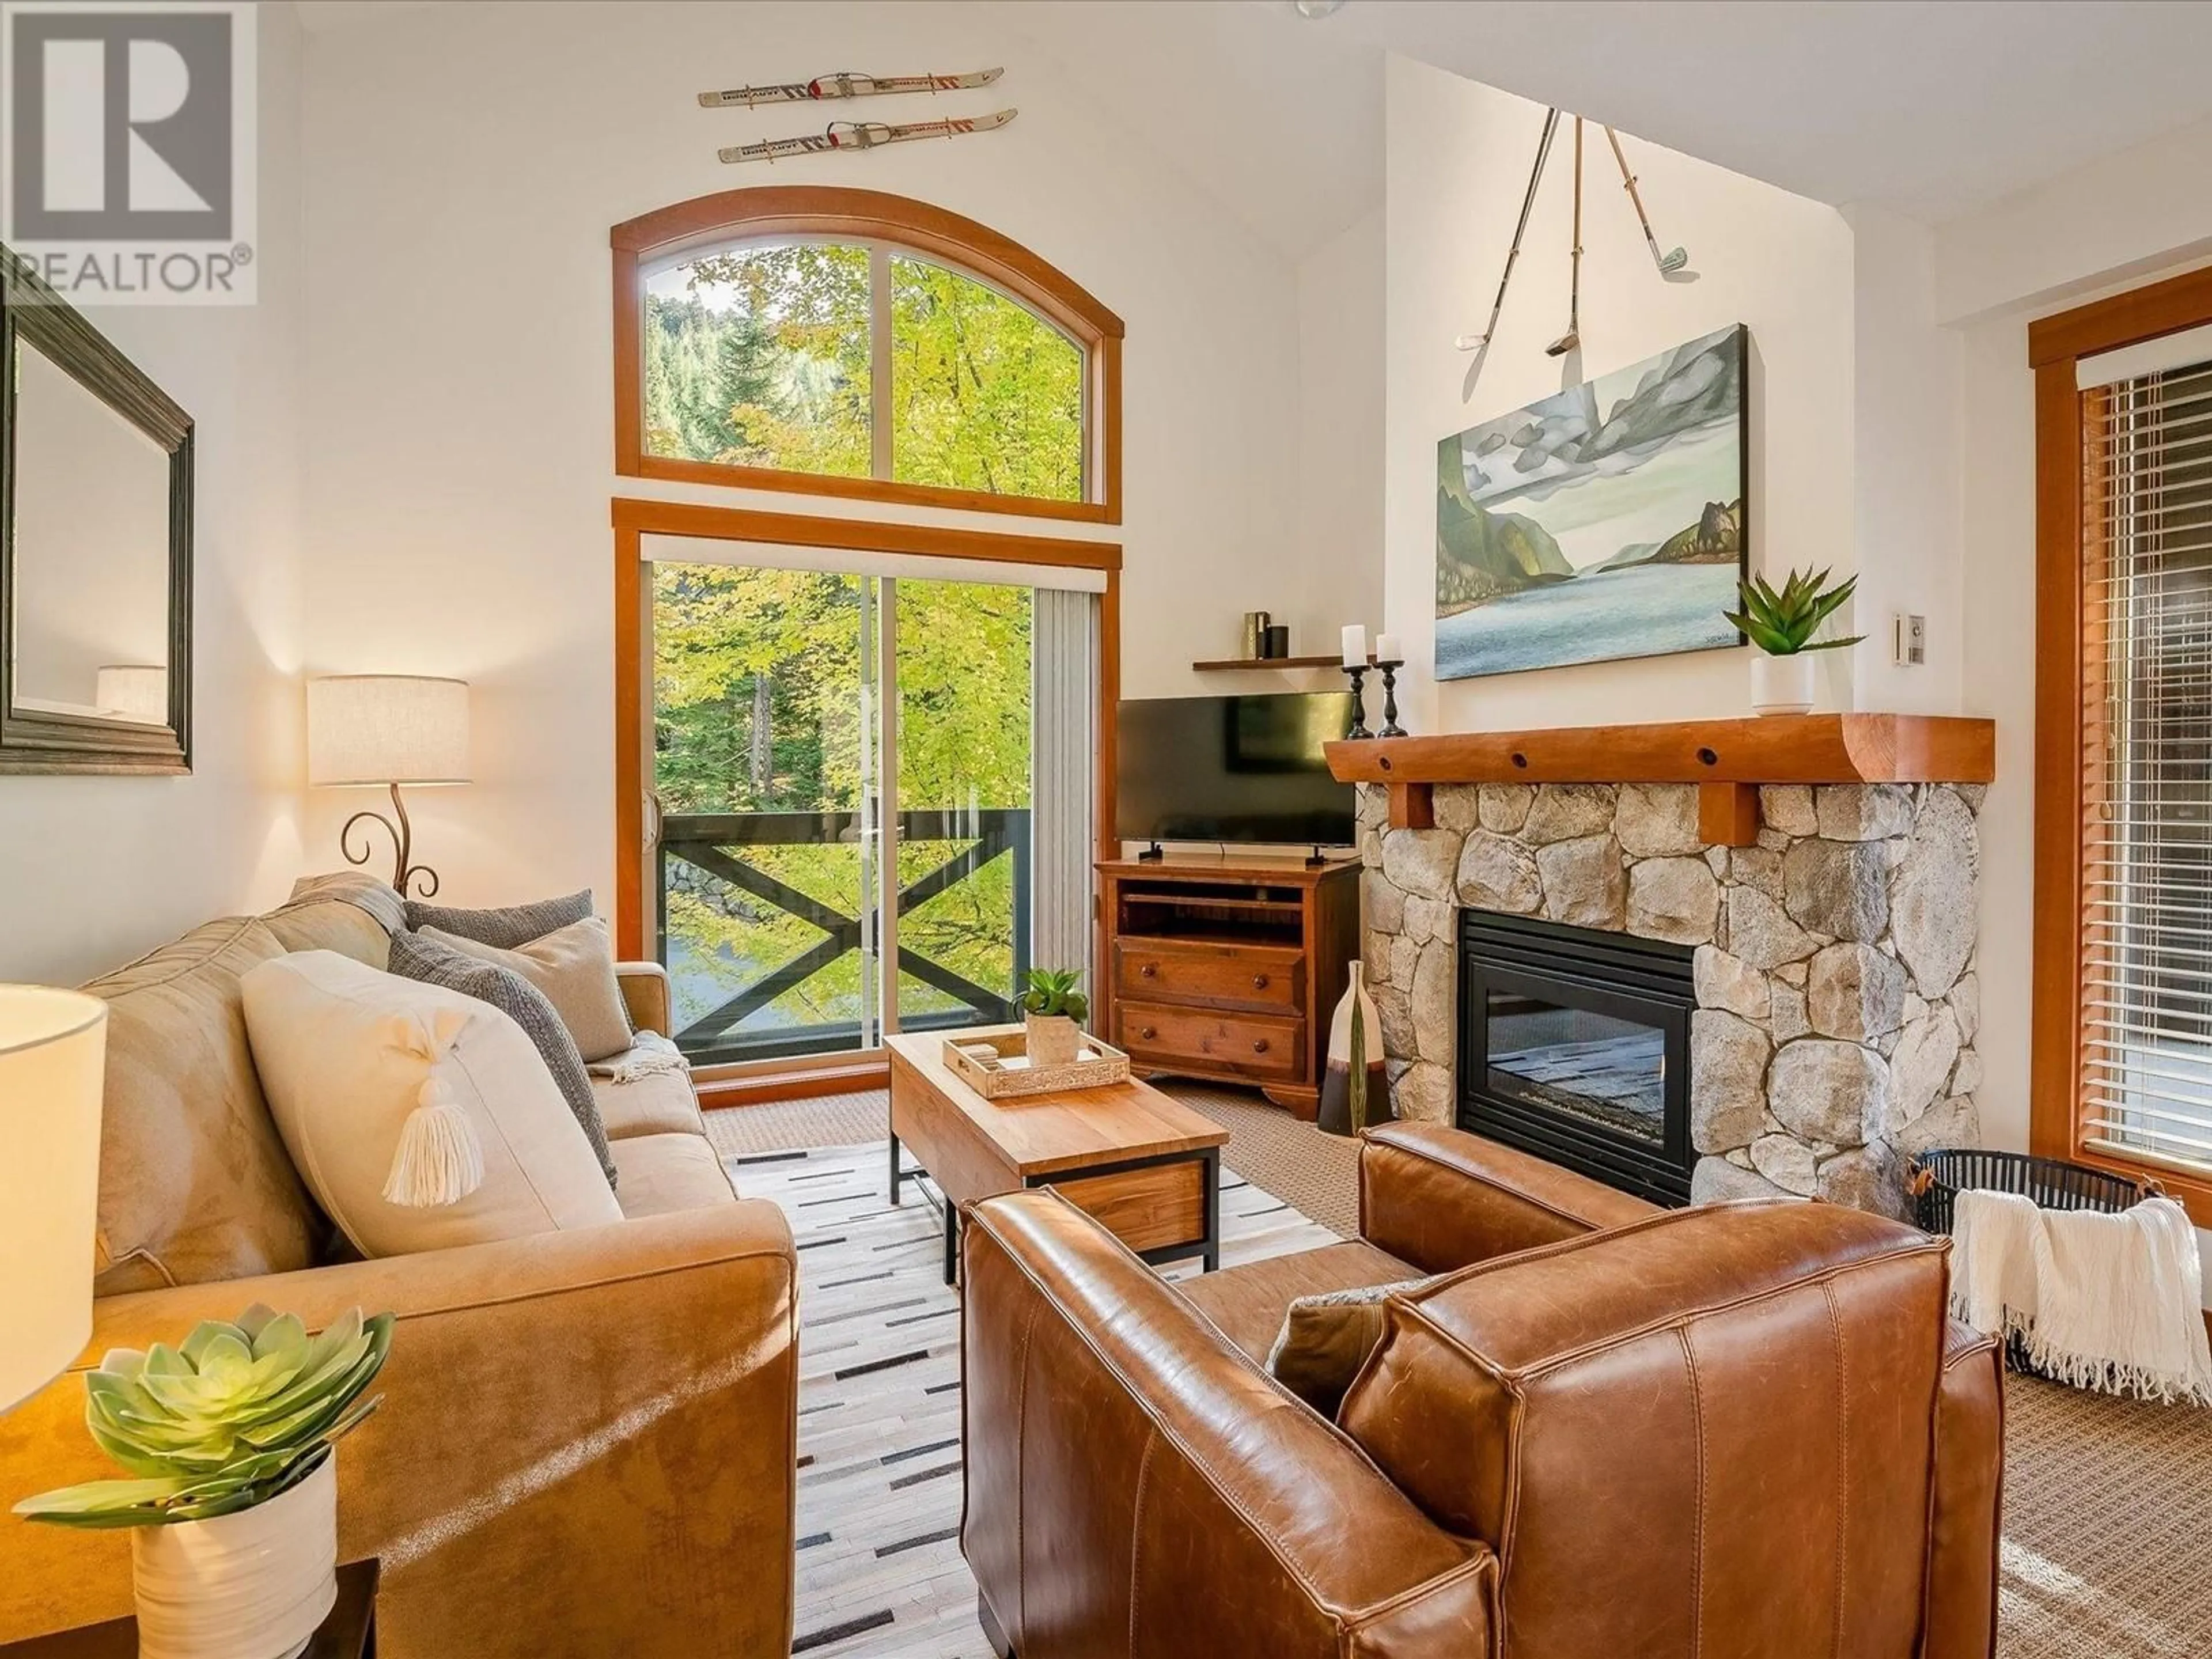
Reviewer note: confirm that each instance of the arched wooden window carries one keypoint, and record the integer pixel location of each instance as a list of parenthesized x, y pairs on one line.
[(852, 344)]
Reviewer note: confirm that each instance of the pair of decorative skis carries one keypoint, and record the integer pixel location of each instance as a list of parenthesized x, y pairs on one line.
[(854, 135)]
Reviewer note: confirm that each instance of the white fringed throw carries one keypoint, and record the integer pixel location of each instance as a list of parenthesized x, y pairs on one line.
[(648, 1055), (2105, 1302), (438, 1160)]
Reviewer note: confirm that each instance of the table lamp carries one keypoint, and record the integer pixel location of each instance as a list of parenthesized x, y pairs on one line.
[(53, 1045), (388, 730)]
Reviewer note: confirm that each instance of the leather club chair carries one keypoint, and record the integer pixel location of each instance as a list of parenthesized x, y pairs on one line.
[(1746, 1431)]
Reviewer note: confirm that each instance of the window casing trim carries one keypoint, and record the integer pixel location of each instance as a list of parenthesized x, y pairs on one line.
[(824, 213), (2063, 642)]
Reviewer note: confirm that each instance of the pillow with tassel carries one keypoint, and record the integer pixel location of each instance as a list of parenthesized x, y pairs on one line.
[(420, 1118)]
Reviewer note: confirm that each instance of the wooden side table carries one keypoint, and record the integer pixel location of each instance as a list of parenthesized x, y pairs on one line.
[(348, 1633)]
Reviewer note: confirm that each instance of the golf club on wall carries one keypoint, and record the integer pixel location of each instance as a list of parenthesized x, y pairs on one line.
[(1674, 258), (1573, 337), (1482, 342)]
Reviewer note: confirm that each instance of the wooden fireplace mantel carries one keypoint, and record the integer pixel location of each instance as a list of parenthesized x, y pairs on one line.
[(1727, 760)]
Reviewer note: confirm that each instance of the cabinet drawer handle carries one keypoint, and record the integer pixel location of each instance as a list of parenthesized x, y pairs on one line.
[(1260, 1046), (1148, 1034), (1259, 981), (1149, 970)]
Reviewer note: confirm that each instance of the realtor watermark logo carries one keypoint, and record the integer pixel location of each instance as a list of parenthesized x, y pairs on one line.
[(127, 149)]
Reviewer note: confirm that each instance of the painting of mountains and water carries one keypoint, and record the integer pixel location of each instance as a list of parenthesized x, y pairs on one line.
[(1608, 521)]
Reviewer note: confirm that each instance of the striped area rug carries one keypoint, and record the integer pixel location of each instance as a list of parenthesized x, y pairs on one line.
[(880, 1571)]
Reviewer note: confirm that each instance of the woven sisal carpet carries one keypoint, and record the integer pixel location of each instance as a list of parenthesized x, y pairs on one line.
[(2107, 1503)]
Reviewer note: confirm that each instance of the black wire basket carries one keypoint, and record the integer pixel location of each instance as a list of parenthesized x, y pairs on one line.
[(1936, 1179)]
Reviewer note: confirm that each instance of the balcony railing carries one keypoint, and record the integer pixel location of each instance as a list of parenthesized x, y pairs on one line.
[(717, 857)]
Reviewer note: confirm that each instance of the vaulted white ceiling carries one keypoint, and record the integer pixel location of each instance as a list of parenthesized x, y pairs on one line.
[(1928, 107)]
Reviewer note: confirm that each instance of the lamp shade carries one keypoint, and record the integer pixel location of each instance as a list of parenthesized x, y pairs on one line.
[(53, 1046), (135, 691), (387, 728)]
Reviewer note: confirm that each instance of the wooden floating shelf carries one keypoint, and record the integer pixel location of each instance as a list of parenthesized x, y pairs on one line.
[(1727, 760), (1250, 664)]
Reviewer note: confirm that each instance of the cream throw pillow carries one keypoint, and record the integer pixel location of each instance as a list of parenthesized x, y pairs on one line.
[(574, 966), (420, 1118)]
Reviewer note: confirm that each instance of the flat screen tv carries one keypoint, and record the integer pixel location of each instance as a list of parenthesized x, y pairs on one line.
[(1233, 768)]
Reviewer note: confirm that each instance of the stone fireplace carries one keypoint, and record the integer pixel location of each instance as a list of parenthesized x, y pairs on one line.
[(1832, 961)]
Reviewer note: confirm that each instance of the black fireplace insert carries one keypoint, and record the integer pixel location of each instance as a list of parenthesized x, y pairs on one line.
[(1575, 1045)]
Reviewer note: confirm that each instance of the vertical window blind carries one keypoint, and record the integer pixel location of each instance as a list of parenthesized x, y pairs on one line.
[(2147, 819)]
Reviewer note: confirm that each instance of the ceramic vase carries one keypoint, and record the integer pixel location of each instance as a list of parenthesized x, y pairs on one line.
[(1053, 1040), (252, 1585), (1355, 1051), (1781, 685)]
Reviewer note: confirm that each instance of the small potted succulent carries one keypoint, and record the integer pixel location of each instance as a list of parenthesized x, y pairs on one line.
[(229, 1440), (1782, 625), (1055, 1010)]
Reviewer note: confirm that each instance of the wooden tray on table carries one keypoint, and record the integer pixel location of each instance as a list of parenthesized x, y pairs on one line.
[(995, 1062)]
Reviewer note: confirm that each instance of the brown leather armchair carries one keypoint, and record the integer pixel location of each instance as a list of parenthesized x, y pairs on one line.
[(1747, 1431)]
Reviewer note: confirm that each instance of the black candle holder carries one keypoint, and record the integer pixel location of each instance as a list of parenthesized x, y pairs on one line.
[(1390, 726), (1357, 676)]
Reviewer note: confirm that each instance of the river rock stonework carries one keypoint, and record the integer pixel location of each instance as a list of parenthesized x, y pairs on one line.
[(1837, 1002)]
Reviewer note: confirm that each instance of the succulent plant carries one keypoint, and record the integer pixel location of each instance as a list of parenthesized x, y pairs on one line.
[(1783, 623), (241, 1412), (1052, 991)]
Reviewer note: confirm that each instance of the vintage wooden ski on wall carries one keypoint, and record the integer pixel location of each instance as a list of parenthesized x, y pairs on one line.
[(862, 135), (846, 84)]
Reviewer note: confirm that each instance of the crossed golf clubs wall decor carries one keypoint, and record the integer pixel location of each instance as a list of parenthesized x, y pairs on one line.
[(1669, 263)]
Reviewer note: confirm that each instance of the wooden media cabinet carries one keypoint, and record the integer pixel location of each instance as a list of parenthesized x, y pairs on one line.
[(1229, 969)]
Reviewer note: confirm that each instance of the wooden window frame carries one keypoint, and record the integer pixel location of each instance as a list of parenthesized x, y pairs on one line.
[(751, 1082), (876, 217), (2064, 638)]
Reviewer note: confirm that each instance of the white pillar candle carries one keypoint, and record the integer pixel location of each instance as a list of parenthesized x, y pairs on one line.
[(1355, 645), (1386, 648)]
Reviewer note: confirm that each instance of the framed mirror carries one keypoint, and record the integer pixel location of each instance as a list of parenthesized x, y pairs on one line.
[(95, 547)]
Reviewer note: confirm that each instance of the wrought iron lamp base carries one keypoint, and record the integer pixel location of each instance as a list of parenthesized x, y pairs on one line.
[(401, 833)]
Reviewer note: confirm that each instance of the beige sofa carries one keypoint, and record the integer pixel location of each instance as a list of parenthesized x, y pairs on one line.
[(586, 1445)]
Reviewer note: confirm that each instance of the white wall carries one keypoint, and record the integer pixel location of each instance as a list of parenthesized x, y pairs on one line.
[(1907, 501), (2134, 215), (98, 869), (1342, 295), (464, 172), (1998, 643), (1459, 154)]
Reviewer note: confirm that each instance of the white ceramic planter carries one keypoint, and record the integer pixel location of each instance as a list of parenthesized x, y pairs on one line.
[(1053, 1040), (1781, 685), (252, 1585)]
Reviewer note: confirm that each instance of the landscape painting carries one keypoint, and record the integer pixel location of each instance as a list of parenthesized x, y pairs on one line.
[(1608, 521)]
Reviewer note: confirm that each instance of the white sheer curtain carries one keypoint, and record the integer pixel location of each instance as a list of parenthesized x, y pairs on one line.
[(1064, 705)]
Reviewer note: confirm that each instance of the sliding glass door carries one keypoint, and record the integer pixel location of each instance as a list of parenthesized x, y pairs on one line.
[(961, 777), (841, 767)]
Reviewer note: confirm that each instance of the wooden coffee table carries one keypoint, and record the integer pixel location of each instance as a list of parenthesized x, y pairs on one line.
[(1147, 1169)]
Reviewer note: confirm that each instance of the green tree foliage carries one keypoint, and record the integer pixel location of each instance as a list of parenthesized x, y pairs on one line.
[(985, 395), (761, 356)]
